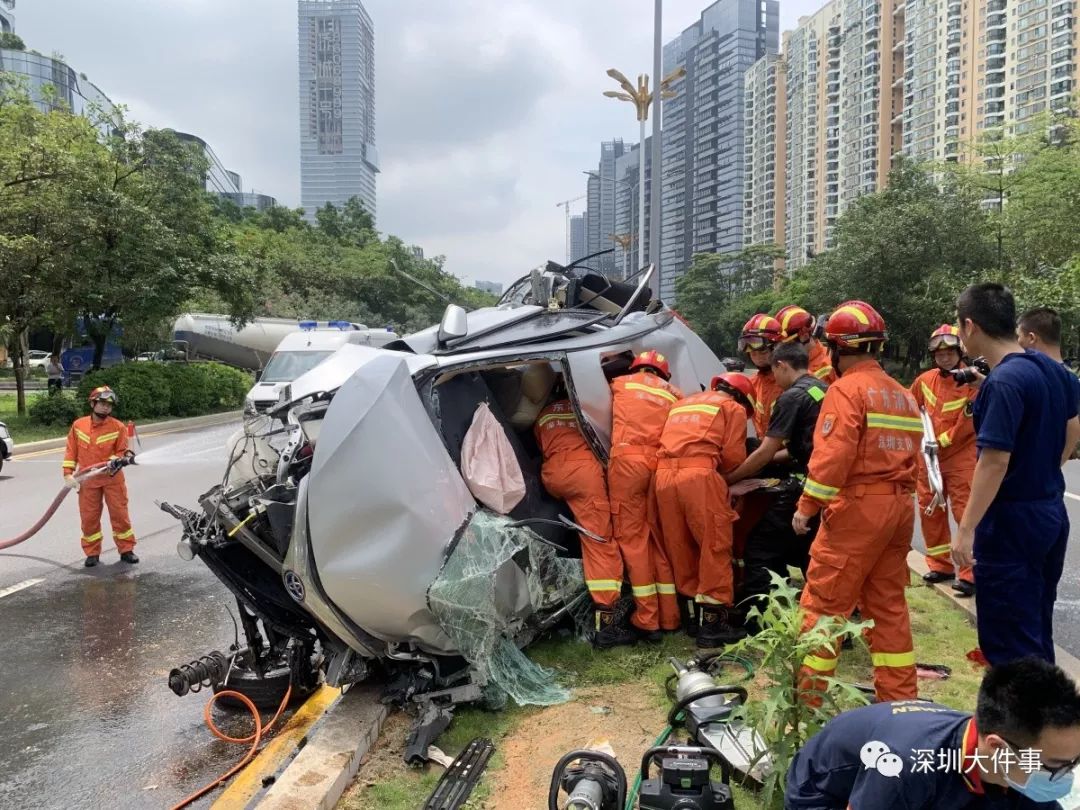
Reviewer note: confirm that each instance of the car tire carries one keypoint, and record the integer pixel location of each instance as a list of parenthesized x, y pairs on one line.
[(265, 693)]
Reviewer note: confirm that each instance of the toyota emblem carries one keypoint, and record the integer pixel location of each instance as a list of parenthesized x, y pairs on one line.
[(294, 585)]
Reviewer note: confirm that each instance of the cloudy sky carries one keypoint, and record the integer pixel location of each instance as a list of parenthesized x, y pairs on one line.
[(487, 110)]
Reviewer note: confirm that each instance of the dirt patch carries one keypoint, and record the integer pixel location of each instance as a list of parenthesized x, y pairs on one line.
[(383, 760), (626, 716)]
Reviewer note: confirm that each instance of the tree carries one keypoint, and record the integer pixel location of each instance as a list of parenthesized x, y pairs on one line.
[(12, 41)]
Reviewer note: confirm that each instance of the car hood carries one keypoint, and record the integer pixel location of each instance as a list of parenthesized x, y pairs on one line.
[(385, 501)]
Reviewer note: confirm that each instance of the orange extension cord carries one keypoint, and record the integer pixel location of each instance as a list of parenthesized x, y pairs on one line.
[(255, 739)]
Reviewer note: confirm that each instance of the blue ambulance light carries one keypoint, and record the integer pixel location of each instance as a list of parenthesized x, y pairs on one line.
[(343, 325), (308, 326)]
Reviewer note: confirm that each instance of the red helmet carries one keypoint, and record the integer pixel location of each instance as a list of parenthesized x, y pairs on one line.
[(654, 360), (795, 322), (945, 336), (855, 327), (760, 332), (738, 386), (103, 392)]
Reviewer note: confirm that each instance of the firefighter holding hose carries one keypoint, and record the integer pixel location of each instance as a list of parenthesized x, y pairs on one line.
[(92, 441)]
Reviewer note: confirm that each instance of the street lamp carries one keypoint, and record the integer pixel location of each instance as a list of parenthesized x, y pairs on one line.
[(624, 240), (641, 98)]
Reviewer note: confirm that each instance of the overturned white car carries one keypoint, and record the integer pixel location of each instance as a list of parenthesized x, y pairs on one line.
[(350, 538)]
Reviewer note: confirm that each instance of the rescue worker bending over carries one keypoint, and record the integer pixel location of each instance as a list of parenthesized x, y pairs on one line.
[(948, 404), (759, 335), (640, 404), (705, 436), (861, 478), (92, 440), (798, 324), (1018, 752), (773, 545), (572, 473)]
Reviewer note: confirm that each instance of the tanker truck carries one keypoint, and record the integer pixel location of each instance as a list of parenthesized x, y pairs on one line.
[(278, 350)]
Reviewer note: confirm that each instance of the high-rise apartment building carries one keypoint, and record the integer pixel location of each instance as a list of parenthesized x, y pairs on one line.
[(338, 158), (602, 194), (627, 207), (763, 174), (577, 237), (703, 149)]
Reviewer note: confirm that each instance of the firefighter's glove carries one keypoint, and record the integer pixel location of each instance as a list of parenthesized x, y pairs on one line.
[(71, 483)]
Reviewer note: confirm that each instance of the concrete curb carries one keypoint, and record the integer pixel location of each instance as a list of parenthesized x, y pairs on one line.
[(147, 429), (319, 775), (917, 563)]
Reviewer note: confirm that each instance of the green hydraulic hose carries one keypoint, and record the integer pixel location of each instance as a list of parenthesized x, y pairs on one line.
[(631, 797)]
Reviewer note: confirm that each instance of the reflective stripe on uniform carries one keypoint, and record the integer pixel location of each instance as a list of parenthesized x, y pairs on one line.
[(665, 588), (938, 551), (820, 491), (711, 410), (92, 538), (954, 405), (124, 535), (659, 392), (819, 664), (944, 440), (643, 590), (702, 599), (815, 393), (557, 417), (893, 422), (79, 434), (603, 585), (107, 437), (904, 659), (823, 372), (928, 395), (69, 465)]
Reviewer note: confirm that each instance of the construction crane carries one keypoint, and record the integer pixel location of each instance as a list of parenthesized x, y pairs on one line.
[(566, 205)]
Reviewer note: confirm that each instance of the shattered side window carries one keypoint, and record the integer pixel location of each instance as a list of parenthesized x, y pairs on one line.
[(497, 587)]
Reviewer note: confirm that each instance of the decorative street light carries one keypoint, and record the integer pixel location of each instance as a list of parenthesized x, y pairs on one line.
[(624, 240), (641, 98)]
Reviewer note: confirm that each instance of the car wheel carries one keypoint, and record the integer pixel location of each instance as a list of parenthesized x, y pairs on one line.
[(266, 692)]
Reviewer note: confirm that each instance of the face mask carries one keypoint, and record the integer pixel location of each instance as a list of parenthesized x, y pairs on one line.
[(1039, 788)]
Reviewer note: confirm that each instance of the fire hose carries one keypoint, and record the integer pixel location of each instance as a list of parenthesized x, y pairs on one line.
[(110, 467)]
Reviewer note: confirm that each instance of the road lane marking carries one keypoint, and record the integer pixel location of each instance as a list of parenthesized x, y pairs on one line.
[(20, 586)]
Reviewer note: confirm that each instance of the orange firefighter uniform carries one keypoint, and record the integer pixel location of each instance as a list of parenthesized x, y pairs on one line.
[(798, 324), (766, 392), (90, 443), (571, 472), (861, 477), (948, 403), (705, 436), (640, 405), (820, 364)]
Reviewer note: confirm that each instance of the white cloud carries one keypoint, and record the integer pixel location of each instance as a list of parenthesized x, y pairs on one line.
[(487, 110)]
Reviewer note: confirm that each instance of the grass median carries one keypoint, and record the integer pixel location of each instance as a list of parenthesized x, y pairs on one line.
[(21, 428), (618, 696)]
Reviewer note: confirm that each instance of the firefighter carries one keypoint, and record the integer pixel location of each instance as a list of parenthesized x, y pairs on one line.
[(572, 473), (759, 335), (704, 437), (861, 479), (640, 404), (772, 545), (798, 324), (95, 439), (1018, 751), (948, 403)]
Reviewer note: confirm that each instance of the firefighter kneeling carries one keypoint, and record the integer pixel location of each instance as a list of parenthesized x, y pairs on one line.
[(861, 478), (92, 440), (704, 437)]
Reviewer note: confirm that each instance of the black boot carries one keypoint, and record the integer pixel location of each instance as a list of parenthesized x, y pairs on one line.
[(609, 632), (688, 614), (129, 557), (91, 560), (934, 577), (719, 627), (964, 588)]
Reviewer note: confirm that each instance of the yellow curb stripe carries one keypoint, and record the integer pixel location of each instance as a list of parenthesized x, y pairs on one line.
[(284, 745)]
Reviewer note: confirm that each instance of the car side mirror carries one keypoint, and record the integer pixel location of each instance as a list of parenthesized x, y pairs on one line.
[(258, 375), (455, 324)]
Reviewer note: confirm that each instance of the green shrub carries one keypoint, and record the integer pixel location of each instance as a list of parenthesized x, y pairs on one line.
[(157, 390), (55, 409)]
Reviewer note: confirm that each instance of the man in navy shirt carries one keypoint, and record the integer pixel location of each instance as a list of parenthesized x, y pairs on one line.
[(1015, 527), (1017, 753), (1040, 330)]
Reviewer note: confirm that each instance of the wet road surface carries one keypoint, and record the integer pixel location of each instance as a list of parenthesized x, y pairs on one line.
[(86, 716)]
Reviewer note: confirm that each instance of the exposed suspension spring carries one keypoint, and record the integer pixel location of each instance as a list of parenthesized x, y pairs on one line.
[(208, 671)]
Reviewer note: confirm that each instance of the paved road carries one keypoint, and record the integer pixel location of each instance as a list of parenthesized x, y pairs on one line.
[(1067, 612), (86, 716)]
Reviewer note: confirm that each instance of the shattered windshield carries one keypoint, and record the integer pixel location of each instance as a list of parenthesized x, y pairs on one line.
[(287, 366)]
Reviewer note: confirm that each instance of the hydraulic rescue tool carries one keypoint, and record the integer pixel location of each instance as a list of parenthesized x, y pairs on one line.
[(930, 451)]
